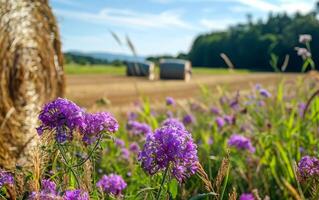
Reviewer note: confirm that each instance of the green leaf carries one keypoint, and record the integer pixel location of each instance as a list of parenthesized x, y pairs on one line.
[(173, 188)]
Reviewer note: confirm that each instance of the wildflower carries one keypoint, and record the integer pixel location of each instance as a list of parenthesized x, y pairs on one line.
[(135, 148), (303, 52), (76, 195), (61, 116), (119, 143), (137, 128), (169, 114), (229, 119), (172, 147), (5, 178), (247, 196), (241, 142), (215, 110), (308, 167), (210, 141), (264, 93), (95, 124), (48, 191), (125, 154), (112, 184), (170, 101), (188, 119), (132, 116), (305, 38), (220, 122), (173, 122), (301, 108)]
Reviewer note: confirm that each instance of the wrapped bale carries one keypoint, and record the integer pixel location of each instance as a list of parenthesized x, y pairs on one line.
[(31, 74), (141, 69), (175, 69)]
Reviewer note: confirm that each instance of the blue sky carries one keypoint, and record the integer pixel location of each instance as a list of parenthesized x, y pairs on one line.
[(156, 26)]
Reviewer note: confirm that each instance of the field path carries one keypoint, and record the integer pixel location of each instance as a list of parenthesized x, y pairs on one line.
[(121, 91)]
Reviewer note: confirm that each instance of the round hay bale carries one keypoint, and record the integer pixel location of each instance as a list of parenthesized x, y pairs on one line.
[(175, 69), (141, 69), (31, 74)]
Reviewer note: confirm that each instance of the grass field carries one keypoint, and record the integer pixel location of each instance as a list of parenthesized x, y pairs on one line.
[(120, 70)]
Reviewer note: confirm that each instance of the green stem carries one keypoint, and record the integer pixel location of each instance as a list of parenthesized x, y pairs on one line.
[(67, 164), (162, 183), (90, 154)]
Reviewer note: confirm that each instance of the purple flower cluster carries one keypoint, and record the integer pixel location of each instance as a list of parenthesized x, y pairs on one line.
[(188, 119), (215, 111), (112, 184), (174, 122), (220, 122), (137, 128), (308, 167), (64, 117), (95, 124), (135, 148), (170, 146), (6, 178), (241, 143), (49, 192), (247, 196), (265, 93), (301, 108), (75, 195), (170, 101)]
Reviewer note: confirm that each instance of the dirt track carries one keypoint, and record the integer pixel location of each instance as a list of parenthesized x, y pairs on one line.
[(121, 90)]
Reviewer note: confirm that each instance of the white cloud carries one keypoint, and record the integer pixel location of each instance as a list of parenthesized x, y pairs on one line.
[(217, 24), (289, 6), (134, 19)]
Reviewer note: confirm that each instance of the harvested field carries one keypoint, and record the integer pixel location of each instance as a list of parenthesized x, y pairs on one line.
[(122, 91)]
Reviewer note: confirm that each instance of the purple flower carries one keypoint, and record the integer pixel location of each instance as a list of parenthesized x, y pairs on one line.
[(135, 148), (125, 153), (132, 116), (301, 108), (171, 146), (210, 141), (137, 128), (97, 123), (229, 119), (61, 116), (305, 38), (48, 186), (264, 93), (6, 178), (220, 122), (308, 167), (215, 110), (241, 143), (170, 101), (76, 195), (173, 122), (188, 119), (247, 196), (48, 191), (261, 103), (112, 184), (119, 143)]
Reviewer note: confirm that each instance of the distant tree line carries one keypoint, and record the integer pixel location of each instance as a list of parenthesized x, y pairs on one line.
[(250, 45), (70, 58)]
